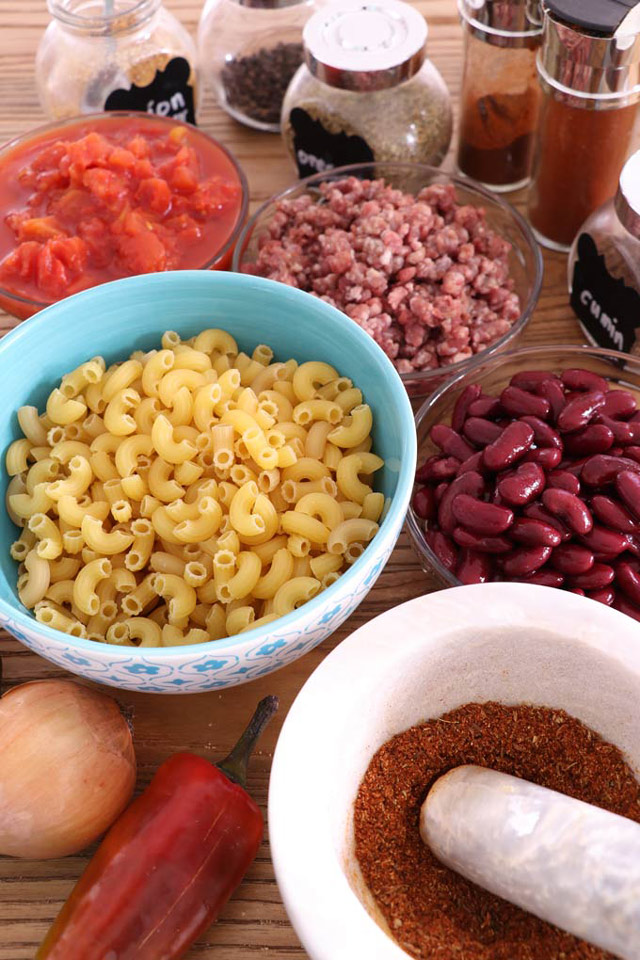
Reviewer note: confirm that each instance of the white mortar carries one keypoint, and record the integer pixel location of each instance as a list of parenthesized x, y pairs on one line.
[(512, 643)]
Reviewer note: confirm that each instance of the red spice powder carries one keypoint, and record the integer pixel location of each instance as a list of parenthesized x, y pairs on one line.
[(434, 913)]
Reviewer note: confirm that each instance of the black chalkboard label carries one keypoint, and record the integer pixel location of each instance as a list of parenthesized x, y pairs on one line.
[(607, 308), (168, 95), (318, 150)]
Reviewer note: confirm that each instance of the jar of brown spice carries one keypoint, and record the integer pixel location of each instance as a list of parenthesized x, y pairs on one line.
[(101, 55), (500, 91), (589, 67)]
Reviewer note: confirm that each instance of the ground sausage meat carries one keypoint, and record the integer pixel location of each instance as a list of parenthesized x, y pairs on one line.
[(424, 276)]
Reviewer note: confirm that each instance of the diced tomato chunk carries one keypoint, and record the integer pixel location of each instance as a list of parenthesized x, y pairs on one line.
[(142, 253), (40, 228), (154, 194)]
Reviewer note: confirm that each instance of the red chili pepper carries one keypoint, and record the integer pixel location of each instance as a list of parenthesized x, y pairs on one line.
[(169, 864)]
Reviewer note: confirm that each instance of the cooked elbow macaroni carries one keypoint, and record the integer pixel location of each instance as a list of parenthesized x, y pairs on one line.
[(189, 493)]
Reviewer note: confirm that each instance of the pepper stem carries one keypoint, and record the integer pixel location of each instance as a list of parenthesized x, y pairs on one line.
[(236, 765)]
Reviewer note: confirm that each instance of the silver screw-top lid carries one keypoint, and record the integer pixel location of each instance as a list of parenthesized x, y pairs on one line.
[(365, 46), (602, 65), (627, 201), (521, 18)]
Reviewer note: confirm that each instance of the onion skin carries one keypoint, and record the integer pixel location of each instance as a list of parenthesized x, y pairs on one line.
[(67, 768)]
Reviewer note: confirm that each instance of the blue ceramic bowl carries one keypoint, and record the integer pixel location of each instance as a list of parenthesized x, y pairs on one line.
[(117, 318)]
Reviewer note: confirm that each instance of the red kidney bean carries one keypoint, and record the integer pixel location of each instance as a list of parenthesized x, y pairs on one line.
[(619, 404), (471, 483), (548, 457), (512, 444), (440, 491), (424, 503), (563, 480), (572, 559), (462, 404), (530, 380), (486, 407), (474, 567), (609, 543), (451, 442), (543, 578), (537, 512), (480, 431), (487, 519), (633, 453), (579, 379), (534, 533), (579, 412), (628, 579), (601, 470), (543, 434), (473, 541), (524, 561), (570, 509), (612, 514), (553, 393), (577, 591), (635, 417), (520, 403), (606, 595), (624, 433), (596, 438), (473, 464), (597, 578), (443, 548), (624, 605), (524, 486), (437, 468), (628, 487), (633, 544)]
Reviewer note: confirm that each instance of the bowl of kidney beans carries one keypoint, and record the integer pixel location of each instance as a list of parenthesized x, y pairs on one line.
[(529, 471)]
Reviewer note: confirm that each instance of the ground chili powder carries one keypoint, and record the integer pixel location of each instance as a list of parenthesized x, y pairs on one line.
[(434, 913)]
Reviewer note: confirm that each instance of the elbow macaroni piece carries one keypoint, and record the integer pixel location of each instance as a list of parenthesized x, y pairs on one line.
[(189, 493)]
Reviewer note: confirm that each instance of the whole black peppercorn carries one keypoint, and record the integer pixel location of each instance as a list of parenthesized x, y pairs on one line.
[(255, 84)]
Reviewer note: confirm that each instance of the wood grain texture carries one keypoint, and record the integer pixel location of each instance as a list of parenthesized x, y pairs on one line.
[(254, 923)]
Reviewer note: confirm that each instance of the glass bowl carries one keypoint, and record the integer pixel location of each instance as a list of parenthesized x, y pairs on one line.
[(525, 260), (494, 373), (22, 306)]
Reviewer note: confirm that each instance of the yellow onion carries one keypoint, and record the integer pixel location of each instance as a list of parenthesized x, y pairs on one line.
[(67, 767)]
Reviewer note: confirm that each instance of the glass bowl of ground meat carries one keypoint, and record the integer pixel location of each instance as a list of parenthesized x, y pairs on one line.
[(438, 270)]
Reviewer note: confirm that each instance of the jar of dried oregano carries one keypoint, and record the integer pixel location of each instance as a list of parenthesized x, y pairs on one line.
[(366, 90), (101, 55)]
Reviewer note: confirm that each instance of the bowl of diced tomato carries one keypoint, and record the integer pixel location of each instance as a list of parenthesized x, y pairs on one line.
[(112, 195)]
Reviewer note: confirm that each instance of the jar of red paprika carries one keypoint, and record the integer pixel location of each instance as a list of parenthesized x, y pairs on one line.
[(589, 68), (500, 91)]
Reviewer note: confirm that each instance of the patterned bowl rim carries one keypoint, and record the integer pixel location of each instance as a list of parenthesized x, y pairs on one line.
[(348, 581)]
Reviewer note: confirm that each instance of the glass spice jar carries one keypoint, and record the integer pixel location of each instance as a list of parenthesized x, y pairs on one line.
[(101, 55), (249, 51), (500, 91), (366, 90), (589, 68), (604, 268)]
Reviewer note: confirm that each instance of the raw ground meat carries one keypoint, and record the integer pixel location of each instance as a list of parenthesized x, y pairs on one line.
[(424, 276)]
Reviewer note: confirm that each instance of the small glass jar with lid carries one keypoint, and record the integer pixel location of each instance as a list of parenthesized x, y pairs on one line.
[(366, 90), (101, 55), (249, 51), (604, 268)]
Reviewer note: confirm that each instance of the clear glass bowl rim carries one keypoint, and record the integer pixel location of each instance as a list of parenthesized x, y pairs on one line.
[(61, 125), (551, 351), (420, 376)]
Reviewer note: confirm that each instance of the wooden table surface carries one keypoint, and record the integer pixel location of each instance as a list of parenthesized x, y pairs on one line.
[(254, 923)]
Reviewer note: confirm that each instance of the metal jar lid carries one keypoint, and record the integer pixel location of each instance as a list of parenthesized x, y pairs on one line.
[(598, 16), (627, 201), (602, 66), (513, 18), (365, 45)]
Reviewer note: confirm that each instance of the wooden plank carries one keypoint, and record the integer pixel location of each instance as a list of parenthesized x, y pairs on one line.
[(254, 923)]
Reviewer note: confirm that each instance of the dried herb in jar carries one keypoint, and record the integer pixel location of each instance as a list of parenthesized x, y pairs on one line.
[(255, 84), (432, 911)]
